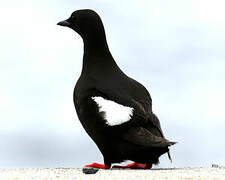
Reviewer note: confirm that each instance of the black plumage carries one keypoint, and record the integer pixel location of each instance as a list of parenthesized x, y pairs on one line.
[(141, 138)]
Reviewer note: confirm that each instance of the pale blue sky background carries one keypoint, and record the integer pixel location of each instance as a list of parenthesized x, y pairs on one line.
[(175, 48)]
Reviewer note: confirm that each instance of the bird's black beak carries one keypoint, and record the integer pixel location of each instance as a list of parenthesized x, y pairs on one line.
[(64, 23)]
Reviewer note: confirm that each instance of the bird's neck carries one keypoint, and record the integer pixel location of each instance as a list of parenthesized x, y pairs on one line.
[(95, 44), (96, 54)]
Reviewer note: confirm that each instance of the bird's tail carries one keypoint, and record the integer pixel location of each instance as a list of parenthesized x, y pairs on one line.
[(169, 156)]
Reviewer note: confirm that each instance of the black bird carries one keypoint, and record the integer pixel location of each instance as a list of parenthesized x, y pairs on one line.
[(114, 109)]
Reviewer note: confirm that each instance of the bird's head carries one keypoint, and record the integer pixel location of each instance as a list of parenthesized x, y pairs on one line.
[(85, 22)]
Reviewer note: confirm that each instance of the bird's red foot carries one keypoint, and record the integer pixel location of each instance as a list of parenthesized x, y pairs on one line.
[(135, 165), (97, 165)]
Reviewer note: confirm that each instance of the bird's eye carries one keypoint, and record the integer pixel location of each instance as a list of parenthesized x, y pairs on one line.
[(73, 17)]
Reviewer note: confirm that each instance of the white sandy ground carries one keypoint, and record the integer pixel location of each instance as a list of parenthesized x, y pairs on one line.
[(214, 173)]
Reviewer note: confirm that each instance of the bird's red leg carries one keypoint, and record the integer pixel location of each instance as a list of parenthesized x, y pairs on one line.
[(135, 165), (97, 165)]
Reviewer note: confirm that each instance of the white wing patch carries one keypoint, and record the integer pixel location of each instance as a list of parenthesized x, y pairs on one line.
[(115, 113)]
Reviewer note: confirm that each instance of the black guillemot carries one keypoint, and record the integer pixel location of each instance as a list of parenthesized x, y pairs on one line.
[(114, 109)]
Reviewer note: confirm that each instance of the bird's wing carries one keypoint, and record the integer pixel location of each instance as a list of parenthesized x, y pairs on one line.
[(130, 93), (142, 136), (119, 106), (112, 112), (126, 96)]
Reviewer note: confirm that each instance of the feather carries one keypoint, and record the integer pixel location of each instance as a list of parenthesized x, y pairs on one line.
[(115, 114)]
